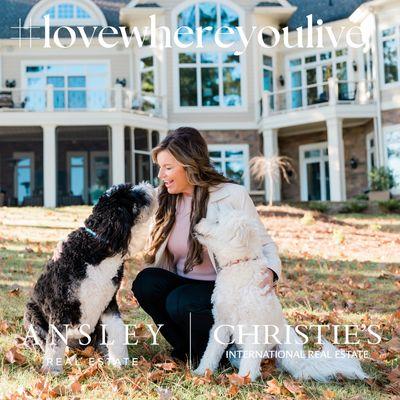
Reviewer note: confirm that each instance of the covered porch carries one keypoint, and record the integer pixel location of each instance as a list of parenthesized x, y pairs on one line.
[(331, 159), (72, 165)]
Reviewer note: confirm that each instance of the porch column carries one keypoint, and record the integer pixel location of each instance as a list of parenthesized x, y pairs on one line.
[(337, 180), (117, 154), (270, 140), (49, 166)]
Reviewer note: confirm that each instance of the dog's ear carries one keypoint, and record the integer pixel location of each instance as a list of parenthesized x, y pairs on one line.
[(241, 232), (117, 210), (246, 231), (117, 231)]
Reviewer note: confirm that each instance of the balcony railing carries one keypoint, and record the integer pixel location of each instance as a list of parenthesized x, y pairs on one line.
[(328, 93), (70, 99)]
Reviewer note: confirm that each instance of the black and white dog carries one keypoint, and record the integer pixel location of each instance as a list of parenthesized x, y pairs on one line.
[(76, 293)]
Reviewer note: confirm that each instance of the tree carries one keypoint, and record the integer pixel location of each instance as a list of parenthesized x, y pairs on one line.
[(261, 167)]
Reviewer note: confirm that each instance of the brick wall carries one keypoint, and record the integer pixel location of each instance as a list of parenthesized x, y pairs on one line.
[(391, 117), (354, 146), (289, 146), (21, 143), (92, 139), (250, 137)]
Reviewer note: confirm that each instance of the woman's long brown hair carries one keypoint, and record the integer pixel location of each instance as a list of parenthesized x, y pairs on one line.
[(189, 148)]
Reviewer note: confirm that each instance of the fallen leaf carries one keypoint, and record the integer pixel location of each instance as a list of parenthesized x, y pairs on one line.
[(393, 345), (394, 375), (233, 390), (13, 356), (75, 387), (88, 352), (58, 391), (155, 376), (238, 380), (293, 387), (328, 394), (14, 292), (167, 366), (273, 387), (4, 327)]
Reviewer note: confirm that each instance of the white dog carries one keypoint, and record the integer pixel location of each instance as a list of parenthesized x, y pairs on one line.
[(240, 306)]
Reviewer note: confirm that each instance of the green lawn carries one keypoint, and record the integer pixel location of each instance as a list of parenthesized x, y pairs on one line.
[(313, 290)]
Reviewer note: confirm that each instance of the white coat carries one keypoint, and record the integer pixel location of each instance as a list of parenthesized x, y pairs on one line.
[(233, 196)]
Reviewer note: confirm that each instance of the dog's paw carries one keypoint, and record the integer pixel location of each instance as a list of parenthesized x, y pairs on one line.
[(198, 372), (201, 371), (52, 370), (118, 362)]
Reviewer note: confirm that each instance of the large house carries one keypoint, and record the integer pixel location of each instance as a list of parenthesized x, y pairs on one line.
[(75, 120)]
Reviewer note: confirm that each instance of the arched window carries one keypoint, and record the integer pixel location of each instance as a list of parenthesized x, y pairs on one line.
[(66, 12), (209, 76)]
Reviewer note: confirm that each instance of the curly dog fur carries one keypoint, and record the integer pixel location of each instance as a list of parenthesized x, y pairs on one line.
[(76, 293), (240, 305)]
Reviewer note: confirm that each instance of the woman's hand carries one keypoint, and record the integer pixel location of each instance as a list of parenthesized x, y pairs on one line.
[(267, 284)]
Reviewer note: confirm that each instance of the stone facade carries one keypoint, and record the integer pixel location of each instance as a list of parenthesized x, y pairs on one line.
[(391, 117), (354, 139), (20, 142), (250, 137)]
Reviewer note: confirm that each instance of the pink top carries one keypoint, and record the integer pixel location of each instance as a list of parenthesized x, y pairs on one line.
[(178, 244)]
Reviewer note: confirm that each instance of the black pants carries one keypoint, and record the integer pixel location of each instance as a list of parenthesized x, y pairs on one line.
[(170, 299)]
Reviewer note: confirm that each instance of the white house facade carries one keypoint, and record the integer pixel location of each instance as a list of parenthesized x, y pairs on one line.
[(75, 120)]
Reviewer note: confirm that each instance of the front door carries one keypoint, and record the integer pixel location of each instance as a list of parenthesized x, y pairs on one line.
[(314, 174), (23, 176), (99, 174)]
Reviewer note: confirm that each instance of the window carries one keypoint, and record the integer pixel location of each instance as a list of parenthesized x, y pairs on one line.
[(23, 176), (232, 161), (314, 172), (66, 13), (143, 142), (371, 151), (309, 77), (391, 57), (208, 14), (76, 86), (99, 174), (77, 174), (369, 68), (147, 83), (268, 77), (210, 77), (392, 139)]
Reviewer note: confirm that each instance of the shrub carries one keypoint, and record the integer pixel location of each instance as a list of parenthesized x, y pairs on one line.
[(354, 207), (392, 205), (360, 197), (381, 179), (317, 206)]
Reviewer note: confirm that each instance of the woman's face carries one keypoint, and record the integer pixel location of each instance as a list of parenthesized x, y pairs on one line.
[(173, 174)]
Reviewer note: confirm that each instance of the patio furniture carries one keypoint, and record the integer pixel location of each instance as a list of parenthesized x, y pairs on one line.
[(323, 98), (71, 200), (6, 100), (348, 95), (33, 201)]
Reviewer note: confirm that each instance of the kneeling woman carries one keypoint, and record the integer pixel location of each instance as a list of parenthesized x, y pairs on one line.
[(176, 286)]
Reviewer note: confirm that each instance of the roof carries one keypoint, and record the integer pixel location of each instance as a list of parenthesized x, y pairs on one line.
[(13, 10), (327, 10), (269, 4)]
